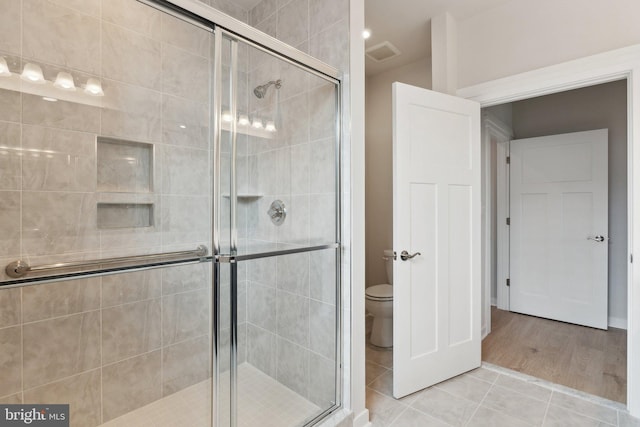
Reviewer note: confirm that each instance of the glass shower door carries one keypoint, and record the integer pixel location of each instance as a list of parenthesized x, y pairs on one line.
[(277, 208), (105, 212)]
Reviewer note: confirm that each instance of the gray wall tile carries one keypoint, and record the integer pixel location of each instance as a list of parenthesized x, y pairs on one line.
[(10, 223), (134, 16), (10, 360), (61, 114), (54, 223), (185, 316), (130, 57), (11, 23), (292, 365), (322, 329), (65, 161), (11, 303), (72, 38), (130, 287), (10, 155), (60, 299), (293, 318), (10, 103), (72, 345), (131, 329), (130, 384), (80, 392), (185, 364)]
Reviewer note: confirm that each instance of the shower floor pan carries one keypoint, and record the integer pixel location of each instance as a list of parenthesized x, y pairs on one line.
[(262, 402)]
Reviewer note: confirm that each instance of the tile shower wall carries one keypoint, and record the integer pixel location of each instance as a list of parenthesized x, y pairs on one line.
[(290, 313), (112, 344)]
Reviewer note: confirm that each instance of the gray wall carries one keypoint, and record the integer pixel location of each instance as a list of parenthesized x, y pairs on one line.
[(378, 158), (596, 107)]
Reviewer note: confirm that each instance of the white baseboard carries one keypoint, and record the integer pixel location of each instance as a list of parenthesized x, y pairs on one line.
[(618, 322), (362, 419)]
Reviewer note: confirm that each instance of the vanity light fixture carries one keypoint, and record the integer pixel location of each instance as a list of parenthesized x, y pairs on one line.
[(32, 73), (257, 123), (93, 87), (270, 127), (4, 68), (243, 120), (65, 81), (227, 117)]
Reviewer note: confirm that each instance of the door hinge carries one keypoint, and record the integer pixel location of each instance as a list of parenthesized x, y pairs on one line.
[(508, 221), (508, 282), (508, 160)]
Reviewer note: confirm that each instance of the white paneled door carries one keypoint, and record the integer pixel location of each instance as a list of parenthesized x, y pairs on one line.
[(559, 227), (436, 220)]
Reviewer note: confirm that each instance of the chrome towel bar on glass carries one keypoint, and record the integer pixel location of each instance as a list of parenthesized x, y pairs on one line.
[(18, 269)]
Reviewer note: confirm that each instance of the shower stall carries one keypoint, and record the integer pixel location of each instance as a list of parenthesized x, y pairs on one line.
[(170, 217)]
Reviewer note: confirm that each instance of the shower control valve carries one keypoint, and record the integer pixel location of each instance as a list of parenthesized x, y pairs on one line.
[(277, 212)]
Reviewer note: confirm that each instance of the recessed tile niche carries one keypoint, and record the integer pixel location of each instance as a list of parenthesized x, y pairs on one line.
[(124, 168)]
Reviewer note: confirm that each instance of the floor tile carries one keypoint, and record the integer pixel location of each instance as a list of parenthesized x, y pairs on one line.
[(516, 405), (487, 417), (626, 420), (527, 388), (413, 418), (453, 410), (383, 410), (383, 357), (373, 371), (562, 417), (466, 386), (484, 374), (584, 407)]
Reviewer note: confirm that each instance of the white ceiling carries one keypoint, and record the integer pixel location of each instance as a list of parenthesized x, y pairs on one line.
[(407, 25)]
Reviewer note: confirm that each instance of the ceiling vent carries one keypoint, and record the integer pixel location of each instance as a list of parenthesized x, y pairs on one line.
[(382, 52)]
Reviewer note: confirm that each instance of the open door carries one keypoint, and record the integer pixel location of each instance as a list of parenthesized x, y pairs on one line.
[(436, 234)]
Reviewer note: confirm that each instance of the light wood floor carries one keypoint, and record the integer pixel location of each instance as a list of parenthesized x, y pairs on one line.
[(586, 359)]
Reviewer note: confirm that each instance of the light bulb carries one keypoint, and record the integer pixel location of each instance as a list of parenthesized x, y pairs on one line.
[(366, 33), (270, 127), (243, 120), (257, 123), (93, 87), (4, 68), (65, 81), (32, 73), (227, 117)]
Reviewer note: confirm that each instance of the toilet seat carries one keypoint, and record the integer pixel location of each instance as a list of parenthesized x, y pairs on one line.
[(379, 293)]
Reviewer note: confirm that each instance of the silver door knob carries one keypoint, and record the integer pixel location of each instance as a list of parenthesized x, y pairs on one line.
[(404, 255), (596, 238)]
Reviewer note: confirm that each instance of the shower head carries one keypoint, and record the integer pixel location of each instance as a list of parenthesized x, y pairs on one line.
[(261, 91)]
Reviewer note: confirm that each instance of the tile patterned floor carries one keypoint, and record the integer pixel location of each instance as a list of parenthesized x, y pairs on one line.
[(263, 402), (488, 396)]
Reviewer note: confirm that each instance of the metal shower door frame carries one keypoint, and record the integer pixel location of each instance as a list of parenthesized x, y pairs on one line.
[(232, 258)]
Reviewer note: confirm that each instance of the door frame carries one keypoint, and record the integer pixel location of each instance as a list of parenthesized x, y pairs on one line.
[(614, 65), (493, 129)]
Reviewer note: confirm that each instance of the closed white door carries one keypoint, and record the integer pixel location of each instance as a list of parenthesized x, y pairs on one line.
[(559, 231), (436, 221)]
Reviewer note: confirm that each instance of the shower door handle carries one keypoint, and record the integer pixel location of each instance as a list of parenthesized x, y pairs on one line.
[(404, 255)]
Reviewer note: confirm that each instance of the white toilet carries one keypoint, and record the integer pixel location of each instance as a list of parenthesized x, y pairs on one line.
[(379, 302)]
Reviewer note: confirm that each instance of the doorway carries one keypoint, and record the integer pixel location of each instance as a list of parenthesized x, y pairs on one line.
[(540, 347)]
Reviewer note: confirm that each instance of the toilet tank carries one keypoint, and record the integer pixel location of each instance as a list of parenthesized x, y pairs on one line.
[(388, 264)]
